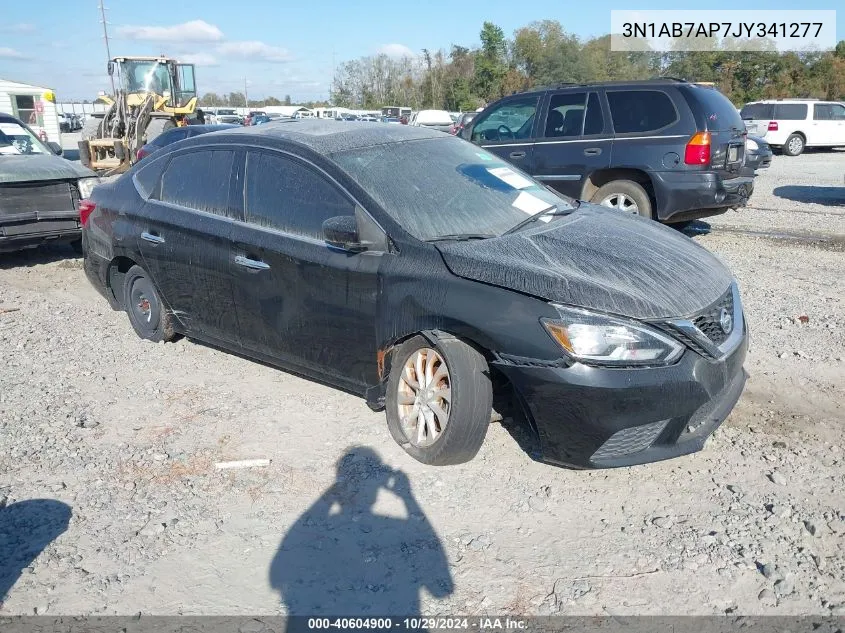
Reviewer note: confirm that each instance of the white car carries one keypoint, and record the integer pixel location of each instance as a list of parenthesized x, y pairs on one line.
[(437, 119), (793, 124)]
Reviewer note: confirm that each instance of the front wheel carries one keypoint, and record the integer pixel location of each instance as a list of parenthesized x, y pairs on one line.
[(624, 195), (148, 316), (439, 399)]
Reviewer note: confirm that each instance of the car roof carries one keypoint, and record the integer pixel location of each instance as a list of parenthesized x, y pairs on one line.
[(323, 136), (624, 83), (8, 118)]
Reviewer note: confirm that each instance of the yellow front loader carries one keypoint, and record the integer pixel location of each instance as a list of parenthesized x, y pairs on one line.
[(153, 94)]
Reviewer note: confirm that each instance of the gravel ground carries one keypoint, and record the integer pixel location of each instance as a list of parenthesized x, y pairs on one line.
[(126, 434)]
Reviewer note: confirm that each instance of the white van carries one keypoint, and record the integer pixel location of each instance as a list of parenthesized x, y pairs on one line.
[(793, 124)]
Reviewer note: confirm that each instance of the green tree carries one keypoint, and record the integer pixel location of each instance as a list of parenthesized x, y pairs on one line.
[(490, 62)]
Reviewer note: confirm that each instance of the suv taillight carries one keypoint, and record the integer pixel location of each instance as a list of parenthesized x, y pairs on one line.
[(698, 149), (773, 126), (86, 208)]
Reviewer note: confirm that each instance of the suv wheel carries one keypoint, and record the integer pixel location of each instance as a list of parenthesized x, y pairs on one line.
[(794, 145), (624, 195)]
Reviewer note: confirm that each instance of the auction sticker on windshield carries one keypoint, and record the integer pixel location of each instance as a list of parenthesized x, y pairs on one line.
[(510, 177)]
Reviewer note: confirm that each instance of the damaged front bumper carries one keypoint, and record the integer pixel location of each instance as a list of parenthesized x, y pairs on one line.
[(593, 417)]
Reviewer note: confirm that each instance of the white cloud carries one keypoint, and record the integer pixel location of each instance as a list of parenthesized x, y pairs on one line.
[(255, 50), (396, 50), (200, 59), (18, 28), (193, 31), (10, 53)]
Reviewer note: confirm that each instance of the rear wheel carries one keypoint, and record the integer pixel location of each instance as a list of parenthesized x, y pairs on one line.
[(794, 145), (158, 126), (439, 399), (626, 196), (91, 129), (148, 316)]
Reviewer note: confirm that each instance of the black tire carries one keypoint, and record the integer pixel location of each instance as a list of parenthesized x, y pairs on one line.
[(471, 401), (794, 145), (91, 129), (157, 126), (148, 316), (629, 189)]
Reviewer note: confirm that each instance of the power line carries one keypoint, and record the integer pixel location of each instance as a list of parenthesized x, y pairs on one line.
[(106, 38)]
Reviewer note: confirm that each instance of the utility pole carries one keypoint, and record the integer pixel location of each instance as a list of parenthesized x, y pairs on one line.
[(106, 38), (246, 95), (331, 85)]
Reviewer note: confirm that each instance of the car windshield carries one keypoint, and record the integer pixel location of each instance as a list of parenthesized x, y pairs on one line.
[(463, 189), (16, 139)]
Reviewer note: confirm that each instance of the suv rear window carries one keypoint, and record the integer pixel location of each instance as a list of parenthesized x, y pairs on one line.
[(640, 110), (758, 111), (790, 111), (719, 112)]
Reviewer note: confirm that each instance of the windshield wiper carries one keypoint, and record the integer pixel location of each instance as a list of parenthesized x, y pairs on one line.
[(551, 210), (461, 237)]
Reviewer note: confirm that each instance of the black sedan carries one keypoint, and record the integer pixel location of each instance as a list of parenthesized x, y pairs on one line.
[(323, 248), (177, 134), (758, 154)]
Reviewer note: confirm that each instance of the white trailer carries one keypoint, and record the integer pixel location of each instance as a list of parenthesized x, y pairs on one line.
[(34, 105)]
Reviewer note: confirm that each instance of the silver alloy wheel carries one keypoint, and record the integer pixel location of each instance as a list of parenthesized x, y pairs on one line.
[(425, 397), (622, 202), (795, 144)]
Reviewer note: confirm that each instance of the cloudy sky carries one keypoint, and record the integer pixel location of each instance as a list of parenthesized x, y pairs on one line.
[(279, 46)]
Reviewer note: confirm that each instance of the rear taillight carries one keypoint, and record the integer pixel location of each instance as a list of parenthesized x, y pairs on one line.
[(141, 153), (773, 126), (698, 149), (86, 208)]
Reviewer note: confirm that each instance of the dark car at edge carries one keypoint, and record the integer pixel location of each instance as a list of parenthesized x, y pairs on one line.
[(665, 149), (39, 190), (323, 248)]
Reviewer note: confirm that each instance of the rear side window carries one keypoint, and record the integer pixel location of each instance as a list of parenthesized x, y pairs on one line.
[(640, 110), (285, 194), (790, 111), (829, 112), (199, 180), (147, 177), (719, 113), (758, 111)]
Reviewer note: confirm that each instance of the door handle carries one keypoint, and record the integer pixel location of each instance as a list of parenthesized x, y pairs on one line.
[(592, 151), (517, 155), (150, 237), (253, 264)]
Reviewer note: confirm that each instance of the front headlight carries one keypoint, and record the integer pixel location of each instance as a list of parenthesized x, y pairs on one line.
[(86, 186), (751, 144), (598, 339)]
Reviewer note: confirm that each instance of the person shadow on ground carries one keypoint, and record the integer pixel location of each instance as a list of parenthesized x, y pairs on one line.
[(341, 559), (26, 528)]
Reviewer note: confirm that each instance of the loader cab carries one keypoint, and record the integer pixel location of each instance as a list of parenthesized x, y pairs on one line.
[(160, 76)]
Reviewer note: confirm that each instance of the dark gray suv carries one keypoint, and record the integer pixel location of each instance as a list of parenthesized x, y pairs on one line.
[(665, 148)]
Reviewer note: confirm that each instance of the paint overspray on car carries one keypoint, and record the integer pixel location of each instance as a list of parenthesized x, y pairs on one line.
[(338, 316)]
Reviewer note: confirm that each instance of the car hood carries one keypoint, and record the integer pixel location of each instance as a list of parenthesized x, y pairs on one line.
[(599, 259), (27, 168)]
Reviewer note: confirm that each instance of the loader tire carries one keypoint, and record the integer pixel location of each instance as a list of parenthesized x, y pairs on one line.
[(91, 129), (158, 126)]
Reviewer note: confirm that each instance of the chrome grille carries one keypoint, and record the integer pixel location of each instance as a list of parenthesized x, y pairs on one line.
[(709, 322)]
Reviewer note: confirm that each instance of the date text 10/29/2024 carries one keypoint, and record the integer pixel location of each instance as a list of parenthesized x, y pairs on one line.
[(419, 623)]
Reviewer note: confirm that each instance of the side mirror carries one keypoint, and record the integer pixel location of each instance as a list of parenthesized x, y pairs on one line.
[(57, 149), (342, 232), (111, 68)]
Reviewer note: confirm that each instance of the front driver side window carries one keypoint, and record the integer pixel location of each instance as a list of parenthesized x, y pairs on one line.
[(287, 195), (511, 120)]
